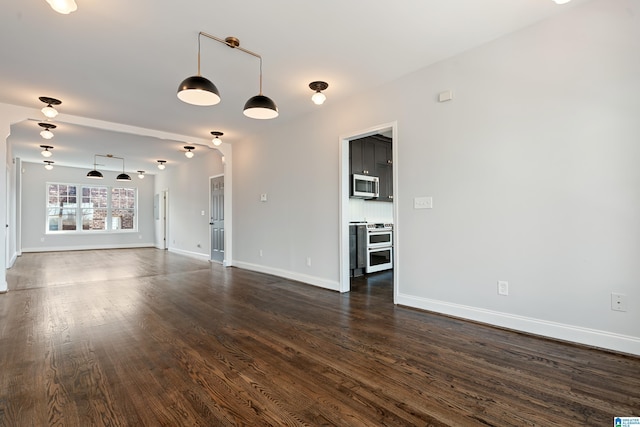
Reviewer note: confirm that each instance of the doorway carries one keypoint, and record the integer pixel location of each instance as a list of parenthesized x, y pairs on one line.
[(216, 188), (375, 211)]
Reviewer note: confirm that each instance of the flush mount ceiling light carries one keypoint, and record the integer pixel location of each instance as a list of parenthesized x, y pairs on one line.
[(45, 151), (197, 90), (161, 165), (63, 6), (216, 140), (561, 1), (49, 111), (46, 133), (318, 97), (189, 154), (49, 165), (141, 174)]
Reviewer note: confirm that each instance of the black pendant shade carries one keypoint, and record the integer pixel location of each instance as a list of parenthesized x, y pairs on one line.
[(260, 107), (123, 177), (198, 90), (95, 174)]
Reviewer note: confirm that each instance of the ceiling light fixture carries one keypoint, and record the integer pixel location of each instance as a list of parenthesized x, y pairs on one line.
[(95, 173), (45, 152), (318, 97), (197, 90), (216, 140), (189, 154), (49, 165), (161, 164), (49, 111), (46, 133), (561, 1), (63, 6), (141, 174)]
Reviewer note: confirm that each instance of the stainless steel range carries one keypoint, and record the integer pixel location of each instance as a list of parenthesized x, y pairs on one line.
[(379, 247)]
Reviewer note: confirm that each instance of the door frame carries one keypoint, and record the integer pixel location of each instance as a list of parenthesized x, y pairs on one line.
[(345, 279)]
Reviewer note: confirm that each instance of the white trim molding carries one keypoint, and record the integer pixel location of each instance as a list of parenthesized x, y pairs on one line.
[(304, 278)]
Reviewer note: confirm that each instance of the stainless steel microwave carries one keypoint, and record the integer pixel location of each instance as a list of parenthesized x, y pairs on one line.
[(365, 186)]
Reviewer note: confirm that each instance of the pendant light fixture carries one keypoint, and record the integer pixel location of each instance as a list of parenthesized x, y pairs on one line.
[(49, 111), (46, 133), (49, 165), (161, 164), (63, 6), (45, 151), (198, 90), (216, 140), (318, 97), (189, 154), (141, 174), (95, 173)]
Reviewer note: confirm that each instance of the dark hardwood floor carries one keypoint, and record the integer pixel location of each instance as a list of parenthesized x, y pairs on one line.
[(148, 338)]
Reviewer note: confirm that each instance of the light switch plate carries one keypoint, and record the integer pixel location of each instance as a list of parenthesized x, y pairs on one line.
[(423, 202)]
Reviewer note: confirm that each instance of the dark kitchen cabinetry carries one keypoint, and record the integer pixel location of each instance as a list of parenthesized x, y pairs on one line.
[(372, 155), (357, 249)]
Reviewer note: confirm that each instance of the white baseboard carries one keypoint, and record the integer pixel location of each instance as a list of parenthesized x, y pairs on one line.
[(561, 331), (312, 280), (12, 260), (87, 247), (202, 257)]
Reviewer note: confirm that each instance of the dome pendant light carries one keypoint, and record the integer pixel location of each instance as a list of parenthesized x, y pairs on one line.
[(197, 90), (46, 133), (260, 106), (318, 97), (45, 151), (63, 6), (216, 141), (95, 173), (49, 111)]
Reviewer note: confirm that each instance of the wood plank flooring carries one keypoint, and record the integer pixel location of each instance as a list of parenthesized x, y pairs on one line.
[(148, 338)]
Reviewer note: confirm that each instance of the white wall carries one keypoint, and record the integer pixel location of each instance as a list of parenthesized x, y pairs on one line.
[(188, 188), (34, 196), (532, 168)]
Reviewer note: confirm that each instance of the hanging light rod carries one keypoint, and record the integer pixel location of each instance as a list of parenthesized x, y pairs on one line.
[(96, 174), (198, 90)]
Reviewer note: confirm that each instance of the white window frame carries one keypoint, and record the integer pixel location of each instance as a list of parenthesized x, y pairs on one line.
[(79, 210)]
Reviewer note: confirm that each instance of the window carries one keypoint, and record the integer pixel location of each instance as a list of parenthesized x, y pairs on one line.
[(90, 208)]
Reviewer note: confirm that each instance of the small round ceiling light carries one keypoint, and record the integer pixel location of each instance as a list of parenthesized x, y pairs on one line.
[(48, 165), (561, 1), (49, 111), (141, 174), (46, 133), (216, 140), (64, 7), (318, 97), (189, 154), (260, 107), (45, 151), (161, 164)]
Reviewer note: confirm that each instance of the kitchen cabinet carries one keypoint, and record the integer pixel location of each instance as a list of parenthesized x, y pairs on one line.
[(372, 155)]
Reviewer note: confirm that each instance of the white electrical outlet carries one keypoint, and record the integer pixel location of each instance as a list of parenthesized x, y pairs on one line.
[(308, 261), (618, 302), (503, 287), (263, 197), (423, 202), (260, 252)]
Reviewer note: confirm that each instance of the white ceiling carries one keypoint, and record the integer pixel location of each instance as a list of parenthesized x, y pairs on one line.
[(121, 61)]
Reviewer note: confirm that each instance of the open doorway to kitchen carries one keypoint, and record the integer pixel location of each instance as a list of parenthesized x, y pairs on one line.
[(368, 209)]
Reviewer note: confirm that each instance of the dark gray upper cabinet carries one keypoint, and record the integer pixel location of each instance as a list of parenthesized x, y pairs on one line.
[(372, 155)]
